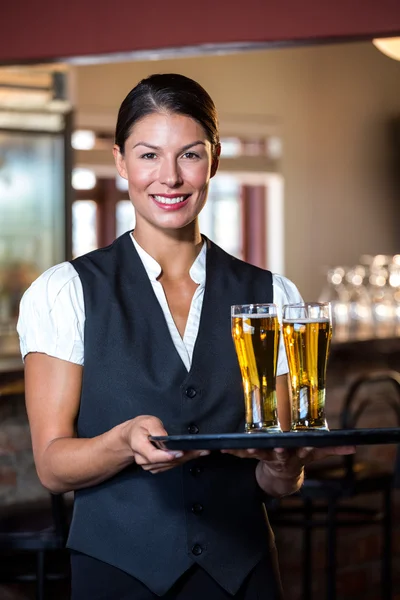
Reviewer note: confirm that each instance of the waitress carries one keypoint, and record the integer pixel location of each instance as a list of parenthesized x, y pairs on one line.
[(134, 340)]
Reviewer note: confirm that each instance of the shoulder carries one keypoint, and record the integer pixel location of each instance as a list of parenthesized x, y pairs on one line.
[(223, 259), (52, 282), (285, 291), (105, 255), (52, 316)]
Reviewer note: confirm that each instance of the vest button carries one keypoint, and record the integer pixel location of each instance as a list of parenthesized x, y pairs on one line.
[(190, 392), (195, 471), (193, 429), (197, 509), (197, 549)]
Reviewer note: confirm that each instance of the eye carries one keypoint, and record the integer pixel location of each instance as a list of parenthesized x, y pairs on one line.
[(190, 155), (148, 155)]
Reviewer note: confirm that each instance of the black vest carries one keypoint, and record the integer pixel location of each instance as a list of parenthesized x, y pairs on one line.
[(208, 511)]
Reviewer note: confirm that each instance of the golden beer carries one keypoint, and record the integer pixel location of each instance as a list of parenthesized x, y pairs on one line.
[(256, 339), (307, 344)]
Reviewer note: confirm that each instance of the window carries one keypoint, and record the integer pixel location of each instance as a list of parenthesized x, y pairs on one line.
[(221, 218), (84, 227), (125, 216)]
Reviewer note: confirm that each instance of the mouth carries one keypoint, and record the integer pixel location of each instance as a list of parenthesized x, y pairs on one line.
[(170, 201)]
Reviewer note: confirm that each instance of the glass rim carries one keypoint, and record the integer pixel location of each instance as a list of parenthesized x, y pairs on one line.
[(305, 304), (256, 308), (255, 304)]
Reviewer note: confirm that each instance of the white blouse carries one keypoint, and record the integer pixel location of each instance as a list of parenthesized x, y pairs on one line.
[(52, 312)]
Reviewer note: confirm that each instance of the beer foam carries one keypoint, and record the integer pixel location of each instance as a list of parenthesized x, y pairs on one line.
[(303, 321), (255, 316)]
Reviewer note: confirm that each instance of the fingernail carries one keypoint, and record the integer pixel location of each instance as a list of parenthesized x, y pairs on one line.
[(204, 453), (177, 454)]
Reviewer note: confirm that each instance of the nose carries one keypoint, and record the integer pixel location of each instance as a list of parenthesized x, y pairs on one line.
[(170, 174)]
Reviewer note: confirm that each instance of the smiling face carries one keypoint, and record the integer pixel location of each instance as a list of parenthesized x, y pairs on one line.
[(168, 163)]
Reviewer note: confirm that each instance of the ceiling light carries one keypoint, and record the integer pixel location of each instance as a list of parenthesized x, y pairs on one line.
[(83, 139), (389, 46), (83, 179)]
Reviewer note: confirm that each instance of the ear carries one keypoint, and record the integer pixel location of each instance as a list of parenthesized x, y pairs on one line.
[(120, 162), (215, 160)]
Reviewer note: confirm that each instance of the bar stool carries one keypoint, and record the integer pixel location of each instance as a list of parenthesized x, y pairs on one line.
[(32, 528), (35, 528), (346, 478)]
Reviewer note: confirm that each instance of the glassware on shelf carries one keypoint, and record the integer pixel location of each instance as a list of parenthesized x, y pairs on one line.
[(361, 323), (394, 283), (365, 299), (338, 295), (382, 301)]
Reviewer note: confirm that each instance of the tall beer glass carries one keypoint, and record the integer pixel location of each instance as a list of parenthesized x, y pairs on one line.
[(255, 332), (307, 332)]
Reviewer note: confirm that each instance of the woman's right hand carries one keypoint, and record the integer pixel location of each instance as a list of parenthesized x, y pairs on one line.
[(136, 434), (66, 462)]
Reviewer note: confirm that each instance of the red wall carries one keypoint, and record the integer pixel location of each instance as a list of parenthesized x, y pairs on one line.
[(45, 29)]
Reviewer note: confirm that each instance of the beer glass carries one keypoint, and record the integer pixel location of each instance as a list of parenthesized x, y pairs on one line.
[(307, 332), (255, 332)]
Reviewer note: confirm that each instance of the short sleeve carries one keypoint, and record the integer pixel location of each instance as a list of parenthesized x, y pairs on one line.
[(52, 316), (285, 292)]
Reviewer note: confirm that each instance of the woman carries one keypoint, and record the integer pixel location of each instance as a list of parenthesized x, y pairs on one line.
[(149, 319)]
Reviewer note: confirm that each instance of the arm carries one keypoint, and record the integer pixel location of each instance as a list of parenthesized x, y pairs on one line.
[(65, 462), (273, 476), (280, 472)]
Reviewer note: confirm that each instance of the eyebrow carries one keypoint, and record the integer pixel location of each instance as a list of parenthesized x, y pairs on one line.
[(191, 145)]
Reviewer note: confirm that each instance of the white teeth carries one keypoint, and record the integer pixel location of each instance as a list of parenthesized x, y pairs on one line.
[(165, 200)]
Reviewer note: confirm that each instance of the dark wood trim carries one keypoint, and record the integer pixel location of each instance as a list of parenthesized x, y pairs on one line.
[(253, 229)]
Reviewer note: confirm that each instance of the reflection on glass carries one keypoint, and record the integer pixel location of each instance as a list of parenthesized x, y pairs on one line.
[(255, 333), (307, 332)]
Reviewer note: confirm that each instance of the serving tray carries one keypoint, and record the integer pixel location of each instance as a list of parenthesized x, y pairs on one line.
[(292, 439)]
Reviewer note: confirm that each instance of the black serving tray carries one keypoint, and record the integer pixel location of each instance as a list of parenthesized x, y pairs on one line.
[(291, 439)]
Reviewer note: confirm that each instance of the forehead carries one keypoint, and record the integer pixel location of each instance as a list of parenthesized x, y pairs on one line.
[(168, 128)]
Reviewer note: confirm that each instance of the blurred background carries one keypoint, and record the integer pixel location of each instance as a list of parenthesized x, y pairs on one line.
[(308, 186)]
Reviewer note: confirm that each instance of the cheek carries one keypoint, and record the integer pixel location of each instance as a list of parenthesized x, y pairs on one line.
[(199, 177), (141, 178)]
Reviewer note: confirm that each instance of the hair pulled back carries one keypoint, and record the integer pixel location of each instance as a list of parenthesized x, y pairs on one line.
[(171, 93)]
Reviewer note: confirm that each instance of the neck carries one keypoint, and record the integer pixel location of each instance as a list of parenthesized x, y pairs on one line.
[(174, 250)]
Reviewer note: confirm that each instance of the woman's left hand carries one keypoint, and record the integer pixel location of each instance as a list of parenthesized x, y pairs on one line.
[(280, 470)]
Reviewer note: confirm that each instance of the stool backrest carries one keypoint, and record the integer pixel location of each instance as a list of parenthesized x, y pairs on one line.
[(351, 413)]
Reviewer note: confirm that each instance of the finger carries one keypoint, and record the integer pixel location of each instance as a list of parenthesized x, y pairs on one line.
[(177, 458), (266, 455), (193, 454), (304, 452), (160, 470), (343, 450), (155, 467), (145, 456), (282, 454), (334, 451)]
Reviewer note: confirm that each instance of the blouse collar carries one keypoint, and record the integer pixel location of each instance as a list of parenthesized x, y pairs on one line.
[(197, 271)]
